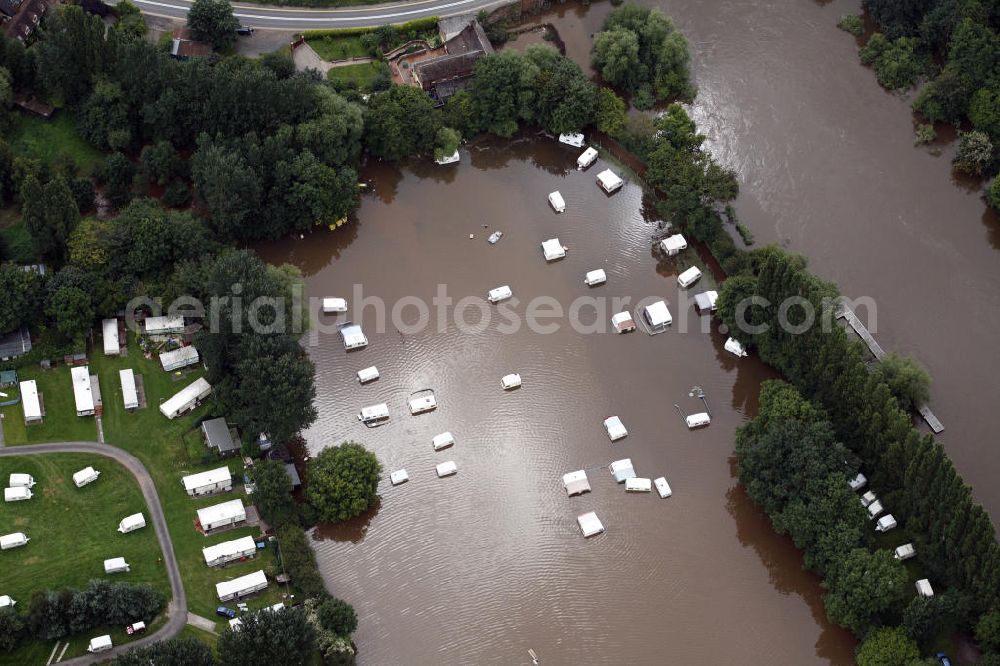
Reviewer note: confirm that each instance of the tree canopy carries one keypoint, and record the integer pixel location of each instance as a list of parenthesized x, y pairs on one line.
[(267, 637), (343, 481), (213, 21)]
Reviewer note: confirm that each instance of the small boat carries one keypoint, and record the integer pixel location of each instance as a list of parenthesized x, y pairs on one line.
[(638, 485), (448, 159), (595, 277), (334, 305), (443, 441), (511, 381), (499, 294), (557, 202), (446, 469), (494, 237), (662, 487), (398, 477)]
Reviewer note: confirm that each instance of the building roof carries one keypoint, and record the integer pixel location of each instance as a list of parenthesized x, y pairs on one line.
[(164, 324), (218, 436), (83, 392), (191, 392), (111, 344), (209, 478), (7, 377), (15, 343), (129, 393), (9, 7), (230, 587), (27, 17), (228, 549), (211, 515), (443, 68)]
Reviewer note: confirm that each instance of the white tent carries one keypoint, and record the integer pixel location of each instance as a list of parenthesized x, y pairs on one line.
[(100, 643), (446, 468), (662, 487), (242, 586), (331, 305), (557, 202), (368, 374), (353, 336), (374, 413), (589, 524), (222, 515), (576, 483), (615, 427), (697, 420), (187, 398), (85, 476), (658, 316), (905, 552), (17, 480), (82, 391), (586, 158), (570, 139), (130, 396), (16, 494), (14, 540), (164, 325), (210, 481), (638, 485), (608, 181), (131, 523), (443, 441), (595, 277), (30, 402), (116, 565), (553, 249), (112, 346), (499, 294), (674, 244), (179, 358), (734, 347), (885, 523), (924, 588), (706, 300), (689, 277), (228, 551), (622, 469), (398, 477), (6, 601)]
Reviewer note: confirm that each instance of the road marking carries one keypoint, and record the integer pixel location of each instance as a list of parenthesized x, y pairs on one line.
[(320, 10), (431, 10)]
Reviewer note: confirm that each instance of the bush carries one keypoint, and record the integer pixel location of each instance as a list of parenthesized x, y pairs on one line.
[(851, 23), (888, 646), (299, 561), (925, 134), (177, 194), (975, 152), (907, 379), (343, 481), (897, 63), (11, 629), (643, 99), (993, 194), (337, 616)]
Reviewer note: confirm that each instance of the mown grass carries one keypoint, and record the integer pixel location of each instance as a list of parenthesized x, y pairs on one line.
[(362, 74), (338, 47), (60, 424), (72, 531), (47, 140)]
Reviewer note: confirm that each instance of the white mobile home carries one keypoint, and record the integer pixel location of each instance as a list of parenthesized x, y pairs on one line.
[(241, 587), (689, 277), (674, 244), (595, 277), (222, 515), (82, 391), (622, 470), (557, 202), (132, 523), (14, 540), (21, 480), (662, 487), (576, 483), (130, 395), (30, 402), (353, 336), (85, 476), (187, 398), (398, 477), (423, 403), (163, 325), (698, 420), (586, 158), (622, 321), (706, 301), (570, 139), (638, 485), (615, 427), (553, 249), (905, 552), (443, 441), (499, 294), (369, 374), (875, 508), (210, 481), (179, 358), (657, 316), (112, 345), (510, 382), (609, 182), (100, 644), (867, 498), (17, 494), (885, 523), (116, 565), (446, 468), (374, 414), (229, 551), (589, 524)]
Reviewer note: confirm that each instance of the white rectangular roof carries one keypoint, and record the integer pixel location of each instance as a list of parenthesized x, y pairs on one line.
[(443, 440), (589, 524), (658, 314), (553, 249), (557, 201), (85, 475), (14, 539), (689, 277), (29, 400), (421, 404), (499, 294), (674, 244), (622, 469), (156, 325), (638, 485), (615, 427), (250, 581), (353, 336), (111, 345), (231, 510), (188, 394), (924, 588), (576, 482), (447, 468), (379, 411), (208, 478), (6, 601), (398, 477), (114, 564), (130, 395), (586, 158), (82, 391), (100, 643), (180, 357), (706, 300), (595, 277), (228, 549), (368, 374), (609, 181), (134, 521), (697, 420), (15, 494), (18, 479), (334, 305)]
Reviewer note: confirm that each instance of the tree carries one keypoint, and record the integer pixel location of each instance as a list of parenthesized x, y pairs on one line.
[(230, 187), (975, 152), (21, 297), (116, 175), (50, 214), (400, 122), (73, 52), (177, 651), (72, 311), (907, 379), (609, 112), (130, 24), (161, 163), (897, 63), (299, 561), (446, 142), (616, 57), (503, 92), (343, 481), (6, 96), (888, 646), (338, 616), (273, 493), (988, 631), (279, 63), (103, 119), (213, 21), (564, 97), (269, 637), (862, 586), (11, 629)]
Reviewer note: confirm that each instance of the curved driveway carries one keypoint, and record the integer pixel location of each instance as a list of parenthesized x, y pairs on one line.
[(302, 18), (177, 609)]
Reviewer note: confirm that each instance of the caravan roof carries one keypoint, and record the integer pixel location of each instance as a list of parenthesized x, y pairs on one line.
[(334, 305), (553, 249), (208, 478), (658, 315), (447, 468), (905, 552), (557, 202), (85, 476), (115, 565), (423, 403), (499, 294), (697, 420), (638, 485), (858, 482), (733, 346), (17, 479), (16, 494), (662, 487), (228, 549), (130, 396), (689, 277), (12, 540), (160, 325), (185, 397), (595, 277), (232, 511), (100, 643), (374, 413), (111, 345), (571, 139), (368, 374), (615, 427), (179, 358), (622, 321), (586, 158), (885, 523), (576, 483), (29, 400), (230, 588), (924, 588), (131, 523), (875, 508), (398, 477), (622, 469), (443, 441), (353, 336), (82, 391), (608, 181), (589, 524), (6, 601), (674, 244), (706, 300)]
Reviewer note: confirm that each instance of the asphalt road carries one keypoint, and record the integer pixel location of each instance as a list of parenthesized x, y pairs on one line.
[(177, 609), (300, 18)]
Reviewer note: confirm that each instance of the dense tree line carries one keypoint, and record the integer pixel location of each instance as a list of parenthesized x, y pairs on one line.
[(954, 537)]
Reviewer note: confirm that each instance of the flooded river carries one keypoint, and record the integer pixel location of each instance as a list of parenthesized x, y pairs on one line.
[(480, 567)]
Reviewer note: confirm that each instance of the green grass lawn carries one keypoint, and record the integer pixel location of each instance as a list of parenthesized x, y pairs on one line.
[(338, 47), (362, 74), (48, 139), (72, 531), (60, 422), (170, 450)]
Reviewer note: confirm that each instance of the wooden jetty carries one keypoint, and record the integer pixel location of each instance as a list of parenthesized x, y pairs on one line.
[(847, 313)]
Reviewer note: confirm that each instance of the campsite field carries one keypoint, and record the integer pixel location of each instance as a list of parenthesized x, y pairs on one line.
[(61, 424)]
